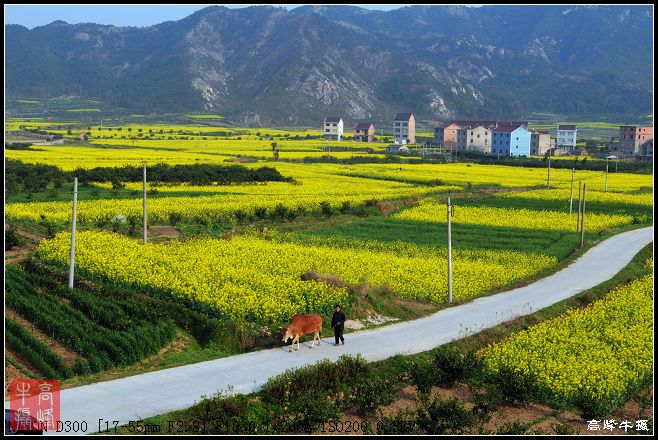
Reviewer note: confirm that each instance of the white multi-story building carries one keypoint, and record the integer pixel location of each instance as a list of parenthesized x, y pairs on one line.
[(333, 128), (404, 128), (566, 136)]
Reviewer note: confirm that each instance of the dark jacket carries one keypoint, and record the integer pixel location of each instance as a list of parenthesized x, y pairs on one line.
[(338, 320)]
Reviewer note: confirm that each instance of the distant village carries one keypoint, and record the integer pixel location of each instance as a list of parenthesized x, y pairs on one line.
[(502, 138)]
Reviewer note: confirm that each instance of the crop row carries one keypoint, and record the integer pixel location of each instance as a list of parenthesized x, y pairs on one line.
[(103, 348), (38, 354)]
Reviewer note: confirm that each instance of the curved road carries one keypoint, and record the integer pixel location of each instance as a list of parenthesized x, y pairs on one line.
[(158, 392)]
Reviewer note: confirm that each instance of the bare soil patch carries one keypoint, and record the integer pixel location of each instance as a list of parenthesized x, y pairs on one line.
[(164, 231)]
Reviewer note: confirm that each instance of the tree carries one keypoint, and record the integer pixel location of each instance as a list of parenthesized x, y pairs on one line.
[(130, 129)]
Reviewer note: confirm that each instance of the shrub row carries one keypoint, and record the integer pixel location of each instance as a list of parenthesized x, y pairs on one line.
[(542, 162), (147, 304), (37, 177), (36, 352), (196, 174), (282, 212), (297, 400), (104, 348)]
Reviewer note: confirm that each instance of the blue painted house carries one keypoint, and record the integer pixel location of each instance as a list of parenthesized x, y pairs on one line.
[(510, 140)]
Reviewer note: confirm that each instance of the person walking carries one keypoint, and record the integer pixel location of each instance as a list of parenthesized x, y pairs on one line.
[(338, 324)]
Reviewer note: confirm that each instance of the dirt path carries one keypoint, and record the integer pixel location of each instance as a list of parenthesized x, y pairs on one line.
[(16, 254)]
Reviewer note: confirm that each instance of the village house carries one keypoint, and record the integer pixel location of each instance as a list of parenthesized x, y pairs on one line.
[(445, 135), (540, 143), (633, 139), (566, 136), (474, 138), (511, 140), (364, 132), (333, 128), (448, 135), (404, 128)]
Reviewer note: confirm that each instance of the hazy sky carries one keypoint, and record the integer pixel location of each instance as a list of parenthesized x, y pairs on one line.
[(120, 15)]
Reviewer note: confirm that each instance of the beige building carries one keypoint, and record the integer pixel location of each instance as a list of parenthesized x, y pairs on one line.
[(540, 143), (474, 138)]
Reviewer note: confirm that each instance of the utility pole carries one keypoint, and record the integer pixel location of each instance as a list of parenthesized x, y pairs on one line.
[(582, 217), (145, 226), (548, 180), (73, 220), (573, 171), (450, 213), (580, 188)]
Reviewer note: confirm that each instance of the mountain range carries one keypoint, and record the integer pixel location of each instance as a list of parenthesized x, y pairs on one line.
[(264, 65)]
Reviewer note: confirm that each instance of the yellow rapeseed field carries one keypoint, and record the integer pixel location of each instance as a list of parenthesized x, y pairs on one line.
[(261, 279), (599, 353)]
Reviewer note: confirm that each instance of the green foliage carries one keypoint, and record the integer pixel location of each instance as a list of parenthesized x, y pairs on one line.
[(260, 212), (235, 414), (515, 387), (175, 218), (323, 377), (116, 184), (486, 402), (35, 351), (563, 429), (455, 364), (280, 211), (38, 177), (370, 394), (536, 162), (444, 417), (325, 208), (423, 377), (592, 407), (12, 238), (31, 177), (81, 368), (513, 428), (17, 145), (84, 330)]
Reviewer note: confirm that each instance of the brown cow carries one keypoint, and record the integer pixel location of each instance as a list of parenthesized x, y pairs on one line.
[(299, 326)]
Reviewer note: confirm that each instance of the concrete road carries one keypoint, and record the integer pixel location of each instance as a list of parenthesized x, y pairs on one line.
[(158, 392)]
